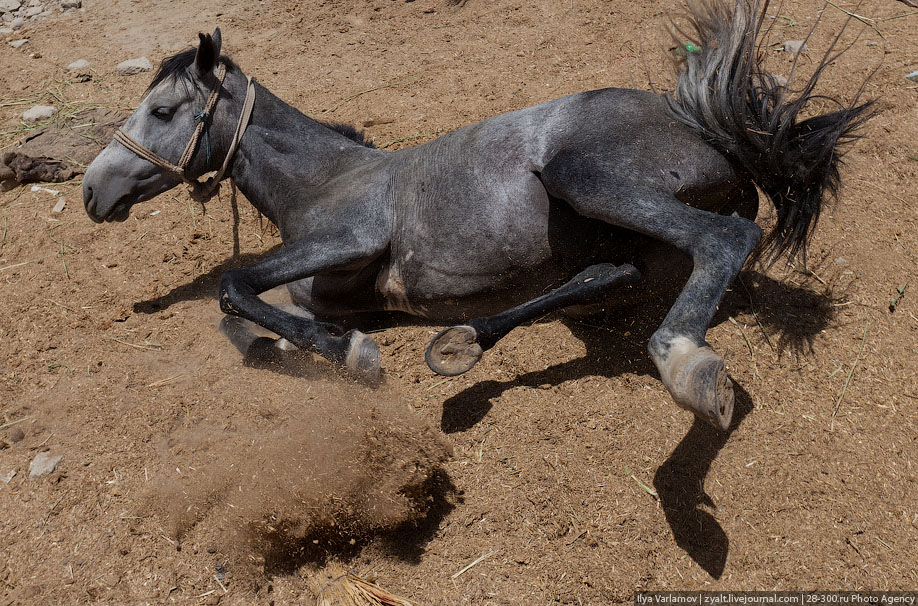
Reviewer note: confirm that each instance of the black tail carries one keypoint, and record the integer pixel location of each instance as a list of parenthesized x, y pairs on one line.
[(724, 93)]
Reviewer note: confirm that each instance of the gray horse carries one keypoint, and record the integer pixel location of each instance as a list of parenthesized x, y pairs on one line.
[(476, 227)]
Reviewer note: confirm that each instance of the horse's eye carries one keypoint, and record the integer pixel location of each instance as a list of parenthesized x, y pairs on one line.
[(163, 113)]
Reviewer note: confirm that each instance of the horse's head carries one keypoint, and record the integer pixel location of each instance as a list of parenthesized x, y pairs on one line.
[(162, 128)]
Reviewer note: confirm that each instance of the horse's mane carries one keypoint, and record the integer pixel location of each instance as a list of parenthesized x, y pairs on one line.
[(350, 131), (176, 67)]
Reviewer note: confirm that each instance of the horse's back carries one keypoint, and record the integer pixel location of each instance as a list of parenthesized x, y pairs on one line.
[(472, 216)]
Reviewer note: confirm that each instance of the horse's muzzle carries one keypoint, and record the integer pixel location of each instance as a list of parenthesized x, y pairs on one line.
[(119, 211)]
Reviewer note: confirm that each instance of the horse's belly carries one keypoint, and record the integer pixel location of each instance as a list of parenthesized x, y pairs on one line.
[(430, 292), (475, 270)]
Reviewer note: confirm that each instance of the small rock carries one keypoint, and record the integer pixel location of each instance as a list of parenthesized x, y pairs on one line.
[(19, 43), (38, 113), (6, 31), (5, 478), (779, 79), (59, 207), (794, 46), (33, 11), (43, 464), (134, 66), (16, 435), (212, 600), (71, 4), (53, 192), (78, 65), (841, 261), (913, 76), (17, 22), (8, 6)]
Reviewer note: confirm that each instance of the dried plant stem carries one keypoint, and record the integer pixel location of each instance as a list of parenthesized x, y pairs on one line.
[(844, 390)]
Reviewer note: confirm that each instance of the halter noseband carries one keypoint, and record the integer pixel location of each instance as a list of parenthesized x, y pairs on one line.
[(199, 190)]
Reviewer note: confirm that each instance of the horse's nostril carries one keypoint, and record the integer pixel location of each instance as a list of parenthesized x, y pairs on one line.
[(88, 202)]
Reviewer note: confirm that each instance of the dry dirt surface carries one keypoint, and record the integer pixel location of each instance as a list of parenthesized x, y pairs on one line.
[(559, 465)]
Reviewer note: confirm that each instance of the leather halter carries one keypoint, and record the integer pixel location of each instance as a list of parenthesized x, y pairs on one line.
[(199, 190)]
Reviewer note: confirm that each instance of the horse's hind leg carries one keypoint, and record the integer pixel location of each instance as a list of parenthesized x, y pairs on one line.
[(457, 349), (718, 245)]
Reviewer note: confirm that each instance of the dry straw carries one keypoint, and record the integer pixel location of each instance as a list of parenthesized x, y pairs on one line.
[(338, 586)]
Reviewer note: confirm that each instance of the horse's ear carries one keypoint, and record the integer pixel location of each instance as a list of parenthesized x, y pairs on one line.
[(218, 40), (208, 52)]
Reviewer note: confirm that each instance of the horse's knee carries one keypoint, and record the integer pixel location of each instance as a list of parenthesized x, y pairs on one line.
[(232, 289), (725, 247), (751, 232), (728, 237)]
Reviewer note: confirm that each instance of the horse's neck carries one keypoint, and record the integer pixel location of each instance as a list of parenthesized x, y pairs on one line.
[(285, 155)]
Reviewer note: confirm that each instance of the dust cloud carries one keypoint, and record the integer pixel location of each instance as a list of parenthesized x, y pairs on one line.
[(307, 483)]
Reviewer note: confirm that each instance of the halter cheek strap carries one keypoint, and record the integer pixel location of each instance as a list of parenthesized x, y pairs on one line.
[(200, 190)]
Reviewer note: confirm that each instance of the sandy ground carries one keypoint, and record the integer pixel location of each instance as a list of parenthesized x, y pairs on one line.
[(560, 458)]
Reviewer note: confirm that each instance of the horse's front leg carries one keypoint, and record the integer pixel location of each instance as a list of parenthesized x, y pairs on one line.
[(239, 290)]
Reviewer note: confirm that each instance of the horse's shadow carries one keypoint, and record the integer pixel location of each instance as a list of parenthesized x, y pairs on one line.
[(203, 286), (790, 317), (679, 482), (285, 552)]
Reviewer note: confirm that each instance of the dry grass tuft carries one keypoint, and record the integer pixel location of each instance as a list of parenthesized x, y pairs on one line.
[(337, 586)]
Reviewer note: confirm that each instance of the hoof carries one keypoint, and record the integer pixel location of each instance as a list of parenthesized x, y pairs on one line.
[(285, 345), (362, 359), (453, 351), (702, 386), (240, 332)]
